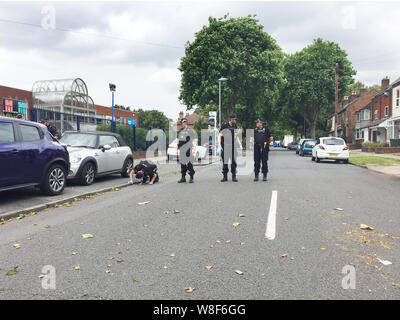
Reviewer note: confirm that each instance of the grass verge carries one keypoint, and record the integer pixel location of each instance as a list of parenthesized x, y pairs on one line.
[(380, 161)]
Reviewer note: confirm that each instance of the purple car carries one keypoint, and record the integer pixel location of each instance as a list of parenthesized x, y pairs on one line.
[(30, 156)]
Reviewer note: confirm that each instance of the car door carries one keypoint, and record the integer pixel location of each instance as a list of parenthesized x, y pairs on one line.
[(112, 156), (10, 161), (33, 160)]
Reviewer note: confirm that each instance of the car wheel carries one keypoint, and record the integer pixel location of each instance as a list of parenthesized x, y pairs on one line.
[(346, 161), (88, 174), (54, 181), (312, 158), (127, 168), (316, 158)]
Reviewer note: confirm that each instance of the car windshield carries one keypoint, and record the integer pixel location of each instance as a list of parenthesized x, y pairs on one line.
[(79, 140), (334, 142)]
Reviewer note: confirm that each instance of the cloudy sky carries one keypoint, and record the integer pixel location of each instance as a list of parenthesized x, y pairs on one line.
[(138, 45)]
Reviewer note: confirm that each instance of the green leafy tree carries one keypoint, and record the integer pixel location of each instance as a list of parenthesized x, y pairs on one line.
[(358, 85), (310, 75), (238, 49), (152, 118)]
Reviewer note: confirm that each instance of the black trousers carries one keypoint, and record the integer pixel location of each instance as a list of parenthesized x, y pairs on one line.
[(186, 161), (229, 156), (260, 157)]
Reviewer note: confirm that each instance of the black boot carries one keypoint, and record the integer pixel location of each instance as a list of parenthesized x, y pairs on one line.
[(225, 178), (264, 177), (256, 177), (234, 178), (183, 179), (191, 179)]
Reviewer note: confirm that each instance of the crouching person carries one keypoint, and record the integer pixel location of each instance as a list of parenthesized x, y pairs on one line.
[(146, 171)]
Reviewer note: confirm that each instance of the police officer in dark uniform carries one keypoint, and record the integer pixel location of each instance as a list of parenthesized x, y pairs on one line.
[(228, 141), (145, 170), (262, 137), (52, 129), (187, 141)]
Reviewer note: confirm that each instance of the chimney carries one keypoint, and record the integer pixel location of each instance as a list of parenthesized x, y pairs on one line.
[(363, 91), (353, 95), (180, 115), (385, 83)]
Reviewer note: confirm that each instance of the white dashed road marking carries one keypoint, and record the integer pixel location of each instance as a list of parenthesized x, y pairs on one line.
[(271, 223)]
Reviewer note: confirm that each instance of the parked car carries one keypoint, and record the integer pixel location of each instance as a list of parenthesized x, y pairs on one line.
[(307, 147), (300, 145), (331, 148), (292, 145), (30, 156), (96, 153), (172, 152)]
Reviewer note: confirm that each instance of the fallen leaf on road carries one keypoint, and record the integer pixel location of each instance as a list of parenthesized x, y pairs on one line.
[(85, 294), (120, 260), (43, 276), (239, 272), (208, 267), (12, 271), (176, 211), (74, 253), (235, 224), (77, 267), (172, 255), (365, 227), (286, 218), (108, 271), (323, 249), (241, 215), (339, 209), (135, 280), (189, 290), (46, 226), (211, 246), (87, 236), (242, 243), (284, 255), (228, 241), (16, 245)]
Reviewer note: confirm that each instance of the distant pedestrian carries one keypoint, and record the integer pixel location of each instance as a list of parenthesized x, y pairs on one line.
[(228, 142), (187, 142), (262, 138), (53, 130), (146, 171)]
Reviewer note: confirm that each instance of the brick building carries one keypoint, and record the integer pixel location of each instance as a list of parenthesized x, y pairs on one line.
[(14, 101), (121, 116), (347, 113)]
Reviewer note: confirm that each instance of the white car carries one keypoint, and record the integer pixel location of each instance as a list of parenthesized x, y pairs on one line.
[(94, 154), (173, 153), (330, 148)]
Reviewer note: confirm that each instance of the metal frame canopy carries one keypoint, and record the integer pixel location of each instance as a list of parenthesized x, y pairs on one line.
[(58, 94)]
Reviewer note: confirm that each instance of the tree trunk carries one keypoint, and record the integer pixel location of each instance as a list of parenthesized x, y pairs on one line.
[(312, 129)]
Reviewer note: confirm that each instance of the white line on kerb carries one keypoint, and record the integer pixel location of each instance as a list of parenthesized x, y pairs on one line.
[(271, 223)]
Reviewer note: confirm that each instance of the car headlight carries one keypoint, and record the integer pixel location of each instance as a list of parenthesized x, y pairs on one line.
[(75, 159)]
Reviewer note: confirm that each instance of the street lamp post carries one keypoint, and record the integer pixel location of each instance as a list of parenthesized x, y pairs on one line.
[(220, 114), (112, 89)]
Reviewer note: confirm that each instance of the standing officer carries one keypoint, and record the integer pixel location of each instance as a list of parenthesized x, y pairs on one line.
[(187, 142), (228, 140), (262, 137)]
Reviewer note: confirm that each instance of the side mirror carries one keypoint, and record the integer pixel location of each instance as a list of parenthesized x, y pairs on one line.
[(106, 147)]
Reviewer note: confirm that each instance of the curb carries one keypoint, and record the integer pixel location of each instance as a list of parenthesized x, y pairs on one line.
[(378, 172)]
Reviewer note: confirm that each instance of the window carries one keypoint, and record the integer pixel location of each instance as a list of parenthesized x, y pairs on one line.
[(386, 111), (358, 117), (110, 140), (6, 132), (397, 97), (376, 114), (333, 142), (29, 133)]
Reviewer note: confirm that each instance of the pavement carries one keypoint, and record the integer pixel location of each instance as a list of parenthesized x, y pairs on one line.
[(393, 170), (153, 242)]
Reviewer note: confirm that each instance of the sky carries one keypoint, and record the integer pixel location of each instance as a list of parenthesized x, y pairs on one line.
[(138, 45)]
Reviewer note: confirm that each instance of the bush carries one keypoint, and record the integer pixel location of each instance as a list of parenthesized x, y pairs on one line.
[(386, 145), (127, 134)]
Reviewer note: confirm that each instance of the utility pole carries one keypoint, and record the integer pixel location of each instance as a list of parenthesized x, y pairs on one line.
[(336, 96)]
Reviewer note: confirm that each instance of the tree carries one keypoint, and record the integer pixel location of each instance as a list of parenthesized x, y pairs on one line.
[(238, 49), (310, 75), (358, 85), (152, 118), (121, 107)]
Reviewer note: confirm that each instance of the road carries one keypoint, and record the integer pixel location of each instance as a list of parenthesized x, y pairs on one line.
[(161, 253)]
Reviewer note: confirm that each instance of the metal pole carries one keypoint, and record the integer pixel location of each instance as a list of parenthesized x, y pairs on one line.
[(134, 138), (219, 115), (112, 116), (336, 95)]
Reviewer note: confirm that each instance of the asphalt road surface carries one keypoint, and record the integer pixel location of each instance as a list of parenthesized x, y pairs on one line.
[(156, 250)]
